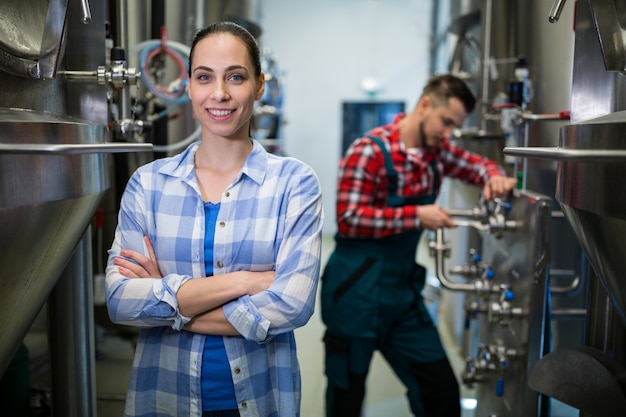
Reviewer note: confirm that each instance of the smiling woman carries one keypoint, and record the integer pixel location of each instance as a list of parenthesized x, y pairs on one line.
[(217, 254), (225, 81)]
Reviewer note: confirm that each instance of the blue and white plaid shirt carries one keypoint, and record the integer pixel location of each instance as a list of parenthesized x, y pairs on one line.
[(270, 219)]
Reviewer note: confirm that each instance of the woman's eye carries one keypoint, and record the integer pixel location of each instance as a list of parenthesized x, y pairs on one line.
[(203, 77), (237, 77)]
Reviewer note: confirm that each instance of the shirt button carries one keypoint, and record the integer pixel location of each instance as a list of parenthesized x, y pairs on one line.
[(222, 224), (227, 194), (237, 370), (244, 404), (220, 264)]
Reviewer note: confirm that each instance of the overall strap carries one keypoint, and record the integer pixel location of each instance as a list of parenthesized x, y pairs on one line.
[(393, 200)]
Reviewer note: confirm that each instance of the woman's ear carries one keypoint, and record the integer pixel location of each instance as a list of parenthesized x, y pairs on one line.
[(260, 86)]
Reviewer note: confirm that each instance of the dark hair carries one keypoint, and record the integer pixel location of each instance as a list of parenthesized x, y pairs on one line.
[(235, 30), (443, 87)]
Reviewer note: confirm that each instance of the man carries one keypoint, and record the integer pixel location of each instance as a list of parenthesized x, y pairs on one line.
[(371, 287)]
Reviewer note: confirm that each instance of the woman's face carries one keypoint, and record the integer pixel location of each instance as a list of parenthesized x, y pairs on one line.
[(223, 87)]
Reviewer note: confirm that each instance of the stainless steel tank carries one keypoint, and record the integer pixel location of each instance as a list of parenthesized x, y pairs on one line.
[(590, 190), (503, 33), (47, 199), (54, 171)]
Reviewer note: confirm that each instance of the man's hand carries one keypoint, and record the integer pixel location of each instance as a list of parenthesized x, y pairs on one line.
[(142, 267), (433, 217), (498, 186)]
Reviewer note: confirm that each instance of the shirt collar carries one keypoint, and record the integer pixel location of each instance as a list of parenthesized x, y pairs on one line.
[(182, 166)]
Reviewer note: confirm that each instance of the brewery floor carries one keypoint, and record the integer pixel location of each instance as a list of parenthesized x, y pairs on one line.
[(385, 394)]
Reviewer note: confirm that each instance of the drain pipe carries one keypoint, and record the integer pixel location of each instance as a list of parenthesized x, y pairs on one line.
[(440, 249)]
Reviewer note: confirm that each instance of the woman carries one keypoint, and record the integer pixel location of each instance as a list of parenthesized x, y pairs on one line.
[(217, 254)]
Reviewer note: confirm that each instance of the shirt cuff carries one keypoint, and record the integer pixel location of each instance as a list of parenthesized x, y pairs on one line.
[(165, 290), (246, 319)]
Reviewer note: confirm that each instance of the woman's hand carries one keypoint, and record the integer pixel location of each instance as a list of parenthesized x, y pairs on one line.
[(142, 267)]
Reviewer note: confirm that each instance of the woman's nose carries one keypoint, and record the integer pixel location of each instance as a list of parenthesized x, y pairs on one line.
[(220, 92)]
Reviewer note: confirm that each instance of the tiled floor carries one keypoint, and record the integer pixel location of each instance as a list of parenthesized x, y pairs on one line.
[(385, 394)]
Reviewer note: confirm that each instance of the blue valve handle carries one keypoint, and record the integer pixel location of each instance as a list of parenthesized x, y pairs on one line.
[(500, 387)]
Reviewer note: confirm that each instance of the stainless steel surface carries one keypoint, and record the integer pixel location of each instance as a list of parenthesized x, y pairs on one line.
[(48, 199), (513, 326), (592, 195), (590, 190), (440, 250), (73, 293), (46, 202), (13, 38), (560, 154), (52, 41), (555, 11), (86, 11), (596, 92), (610, 19), (31, 37), (520, 28), (73, 149), (81, 101)]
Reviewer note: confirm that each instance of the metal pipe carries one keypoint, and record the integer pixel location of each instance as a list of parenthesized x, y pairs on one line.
[(562, 313), (557, 214), (525, 161), (462, 212), (200, 14), (560, 154), (473, 223), (486, 57), (71, 336), (73, 75), (532, 117), (73, 149), (439, 249), (571, 288), (122, 24), (84, 4), (555, 12)]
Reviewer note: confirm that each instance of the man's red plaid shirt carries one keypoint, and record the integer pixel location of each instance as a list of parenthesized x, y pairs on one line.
[(362, 183)]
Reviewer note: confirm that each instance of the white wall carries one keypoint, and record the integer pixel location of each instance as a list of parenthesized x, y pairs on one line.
[(325, 48)]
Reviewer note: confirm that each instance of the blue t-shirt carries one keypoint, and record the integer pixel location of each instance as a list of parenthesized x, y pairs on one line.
[(218, 391)]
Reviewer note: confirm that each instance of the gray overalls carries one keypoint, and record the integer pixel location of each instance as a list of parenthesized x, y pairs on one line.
[(371, 300)]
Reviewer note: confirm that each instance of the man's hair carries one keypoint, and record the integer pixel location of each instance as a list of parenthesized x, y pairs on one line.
[(440, 88)]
